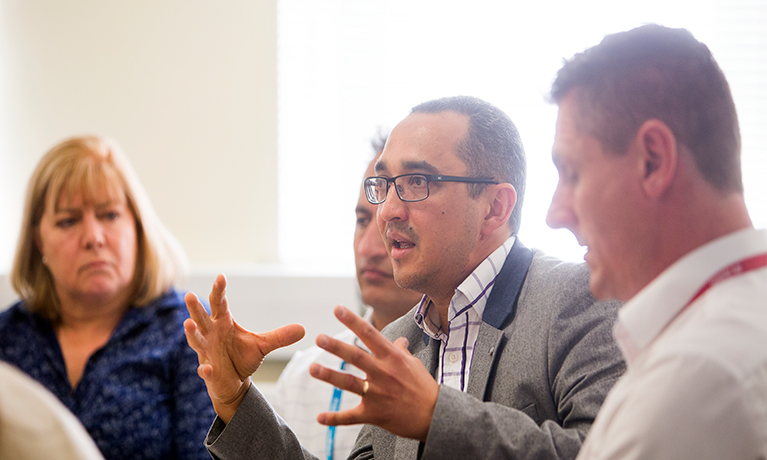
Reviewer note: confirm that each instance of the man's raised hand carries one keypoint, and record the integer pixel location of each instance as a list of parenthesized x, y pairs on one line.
[(228, 353)]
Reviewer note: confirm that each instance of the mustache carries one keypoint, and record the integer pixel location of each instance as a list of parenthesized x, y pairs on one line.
[(403, 229)]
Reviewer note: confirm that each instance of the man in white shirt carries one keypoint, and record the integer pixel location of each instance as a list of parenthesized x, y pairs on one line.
[(648, 151), (299, 397)]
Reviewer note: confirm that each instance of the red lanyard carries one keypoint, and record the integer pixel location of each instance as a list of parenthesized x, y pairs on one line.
[(738, 268)]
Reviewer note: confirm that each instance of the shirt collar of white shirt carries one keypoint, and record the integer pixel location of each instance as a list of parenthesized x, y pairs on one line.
[(476, 286), (647, 314)]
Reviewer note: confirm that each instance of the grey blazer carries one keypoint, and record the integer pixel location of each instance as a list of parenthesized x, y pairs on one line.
[(543, 363)]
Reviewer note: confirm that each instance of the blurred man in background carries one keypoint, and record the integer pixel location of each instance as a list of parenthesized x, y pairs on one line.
[(299, 397)]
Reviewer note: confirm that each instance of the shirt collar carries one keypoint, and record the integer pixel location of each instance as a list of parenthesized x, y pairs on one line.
[(473, 291), (646, 315)]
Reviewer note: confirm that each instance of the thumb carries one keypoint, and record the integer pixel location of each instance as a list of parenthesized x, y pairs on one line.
[(281, 337), (401, 343)]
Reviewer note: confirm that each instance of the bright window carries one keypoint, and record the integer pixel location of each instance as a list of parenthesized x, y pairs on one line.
[(346, 67)]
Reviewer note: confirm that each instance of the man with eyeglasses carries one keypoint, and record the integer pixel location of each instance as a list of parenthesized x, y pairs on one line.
[(506, 356)]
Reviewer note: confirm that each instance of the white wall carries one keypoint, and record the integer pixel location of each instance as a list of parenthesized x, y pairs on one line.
[(188, 88)]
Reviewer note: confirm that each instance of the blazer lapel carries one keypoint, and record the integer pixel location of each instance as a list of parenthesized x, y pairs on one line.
[(502, 304), (422, 346), (425, 349), (499, 313), (488, 342)]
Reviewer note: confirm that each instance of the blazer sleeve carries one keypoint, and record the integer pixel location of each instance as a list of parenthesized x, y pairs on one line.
[(255, 432)]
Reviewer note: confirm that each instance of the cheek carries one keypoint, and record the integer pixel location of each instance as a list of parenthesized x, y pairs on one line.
[(128, 247), (55, 246), (380, 223)]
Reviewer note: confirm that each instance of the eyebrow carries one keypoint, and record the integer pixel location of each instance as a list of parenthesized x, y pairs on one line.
[(420, 166), (103, 205), (379, 167)]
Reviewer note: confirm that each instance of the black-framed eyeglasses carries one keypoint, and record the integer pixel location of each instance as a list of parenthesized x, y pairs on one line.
[(411, 187)]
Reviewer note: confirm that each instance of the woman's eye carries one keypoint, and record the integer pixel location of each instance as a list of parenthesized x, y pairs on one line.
[(110, 215), (65, 223)]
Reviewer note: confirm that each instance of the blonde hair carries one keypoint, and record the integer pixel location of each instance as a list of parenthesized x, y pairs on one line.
[(91, 165)]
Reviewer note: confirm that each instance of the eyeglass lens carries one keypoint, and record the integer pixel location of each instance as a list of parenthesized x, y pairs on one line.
[(412, 187)]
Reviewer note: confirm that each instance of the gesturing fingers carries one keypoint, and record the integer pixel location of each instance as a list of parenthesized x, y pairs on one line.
[(352, 354), (219, 305), (342, 380), (354, 416), (346, 382), (399, 392), (281, 337), (197, 312), (378, 344), (193, 337), (198, 343)]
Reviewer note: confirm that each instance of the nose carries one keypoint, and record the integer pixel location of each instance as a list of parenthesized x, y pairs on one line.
[(93, 231), (393, 208), (371, 244), (561, 214)]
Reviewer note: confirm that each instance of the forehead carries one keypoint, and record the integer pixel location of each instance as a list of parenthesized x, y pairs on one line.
[(571, 142), (425, 142), (73, 194)]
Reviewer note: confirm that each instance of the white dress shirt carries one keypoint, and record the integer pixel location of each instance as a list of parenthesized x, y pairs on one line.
[(299, 398), (696, 383)]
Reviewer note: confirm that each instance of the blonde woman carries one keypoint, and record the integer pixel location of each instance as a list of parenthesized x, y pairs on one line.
[(99, 322)]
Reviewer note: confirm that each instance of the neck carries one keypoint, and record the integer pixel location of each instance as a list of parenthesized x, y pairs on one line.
[(380, 320), (704, 221), (91, 315), (486, 246)]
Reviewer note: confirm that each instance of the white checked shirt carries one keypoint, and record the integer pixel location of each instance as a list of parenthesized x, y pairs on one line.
[(464, 318), (299, 397)]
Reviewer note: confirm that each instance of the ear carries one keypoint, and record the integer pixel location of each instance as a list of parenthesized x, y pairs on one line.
[(502, 198), (659, 153)]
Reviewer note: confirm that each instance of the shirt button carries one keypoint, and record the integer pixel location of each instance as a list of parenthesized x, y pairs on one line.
[(453, 357)]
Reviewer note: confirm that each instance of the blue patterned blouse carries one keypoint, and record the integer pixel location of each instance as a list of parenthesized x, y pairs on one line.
[(139, 396)]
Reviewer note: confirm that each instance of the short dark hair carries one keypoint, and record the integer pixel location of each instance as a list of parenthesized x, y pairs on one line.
[(654, 72), (378, 142), (492, 147)]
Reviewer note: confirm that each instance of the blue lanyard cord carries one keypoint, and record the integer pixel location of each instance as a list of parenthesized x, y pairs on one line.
[(335, 403)]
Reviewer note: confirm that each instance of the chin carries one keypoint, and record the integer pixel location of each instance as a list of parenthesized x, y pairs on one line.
[(597, 287), (603, 290), (378, 299), (103, 290)]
